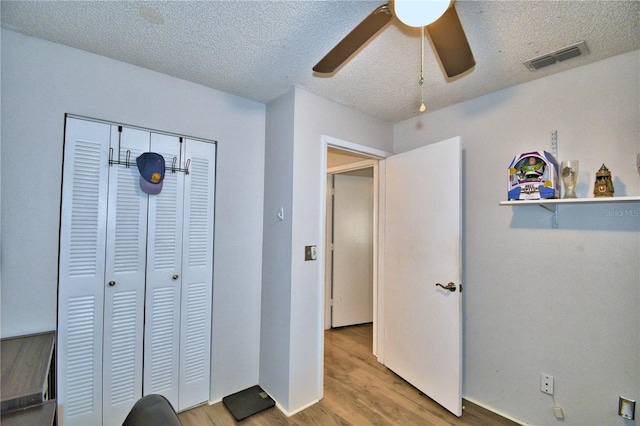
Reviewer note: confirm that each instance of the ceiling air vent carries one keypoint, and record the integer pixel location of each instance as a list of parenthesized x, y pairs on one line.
[(560, 55)]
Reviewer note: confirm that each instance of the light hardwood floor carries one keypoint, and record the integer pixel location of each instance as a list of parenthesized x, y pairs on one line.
[(357, 391)]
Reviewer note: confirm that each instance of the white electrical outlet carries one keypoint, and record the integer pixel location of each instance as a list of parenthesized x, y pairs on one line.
[(546, 383)]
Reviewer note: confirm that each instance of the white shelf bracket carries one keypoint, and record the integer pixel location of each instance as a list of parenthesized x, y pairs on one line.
[(553, 208)]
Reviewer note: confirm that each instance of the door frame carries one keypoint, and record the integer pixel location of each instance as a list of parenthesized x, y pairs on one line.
[(378, 295)]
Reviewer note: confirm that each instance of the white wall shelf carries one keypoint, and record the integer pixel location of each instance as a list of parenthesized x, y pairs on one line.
[(551, 204), (547, 203)]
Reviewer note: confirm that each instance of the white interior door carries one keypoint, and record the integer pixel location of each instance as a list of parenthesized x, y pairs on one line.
[(197, 275), (124, 284), (83, 234), (164, 277), (423, 322), (352, 275)]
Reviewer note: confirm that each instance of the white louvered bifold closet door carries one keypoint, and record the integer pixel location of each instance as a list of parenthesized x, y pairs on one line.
[(81, 272), (125, 278), (164, 280), (197, 275), (135, 274)]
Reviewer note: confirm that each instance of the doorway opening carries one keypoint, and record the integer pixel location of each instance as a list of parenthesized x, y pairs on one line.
[(372, 155), (349, 237), (342, 157)]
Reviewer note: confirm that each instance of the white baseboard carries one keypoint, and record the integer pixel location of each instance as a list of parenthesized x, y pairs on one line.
[(296, 411), (493, 410), (214, 401)]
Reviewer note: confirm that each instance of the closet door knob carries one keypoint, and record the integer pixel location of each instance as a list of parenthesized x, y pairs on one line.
[(112, 283), (175, 276)]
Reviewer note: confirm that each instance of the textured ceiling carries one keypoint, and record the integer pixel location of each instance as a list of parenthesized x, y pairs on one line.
[(260, 49)]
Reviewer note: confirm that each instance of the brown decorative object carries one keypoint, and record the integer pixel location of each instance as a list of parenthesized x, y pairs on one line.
[(603, 186)]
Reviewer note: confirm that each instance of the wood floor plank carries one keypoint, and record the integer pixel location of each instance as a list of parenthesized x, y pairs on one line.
[(358, 390)]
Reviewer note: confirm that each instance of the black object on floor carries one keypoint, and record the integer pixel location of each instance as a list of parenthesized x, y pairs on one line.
[(152, 409), (248, 402)]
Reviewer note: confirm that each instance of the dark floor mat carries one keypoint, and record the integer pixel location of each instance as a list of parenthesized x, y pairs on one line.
[(248, 402)]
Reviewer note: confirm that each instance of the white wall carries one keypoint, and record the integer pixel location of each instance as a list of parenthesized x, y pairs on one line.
[(562, 301), (316, 117), (276, 250), (42, 81), (302, 294)]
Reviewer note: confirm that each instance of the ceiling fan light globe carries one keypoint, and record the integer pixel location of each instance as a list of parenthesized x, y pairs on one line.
[(419, 13)]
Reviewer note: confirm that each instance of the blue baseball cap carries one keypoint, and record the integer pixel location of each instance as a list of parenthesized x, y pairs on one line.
[(151, 167)]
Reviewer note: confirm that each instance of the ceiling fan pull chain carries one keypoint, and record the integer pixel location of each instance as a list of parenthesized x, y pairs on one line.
[(423, 108)]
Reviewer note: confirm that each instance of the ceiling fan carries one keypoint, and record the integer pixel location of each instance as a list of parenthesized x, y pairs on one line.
[(446, 34)]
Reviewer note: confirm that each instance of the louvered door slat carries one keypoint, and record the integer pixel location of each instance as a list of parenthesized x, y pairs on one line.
[(163, 340)]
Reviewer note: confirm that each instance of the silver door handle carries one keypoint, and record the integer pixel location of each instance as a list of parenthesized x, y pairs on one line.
[(450, 286), (175, 277), (112, 283)]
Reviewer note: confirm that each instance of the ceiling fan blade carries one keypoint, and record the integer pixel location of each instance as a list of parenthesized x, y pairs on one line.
[(356, 38), (451, 43)]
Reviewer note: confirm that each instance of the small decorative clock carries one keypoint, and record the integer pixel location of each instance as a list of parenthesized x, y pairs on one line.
[(533, 176)]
